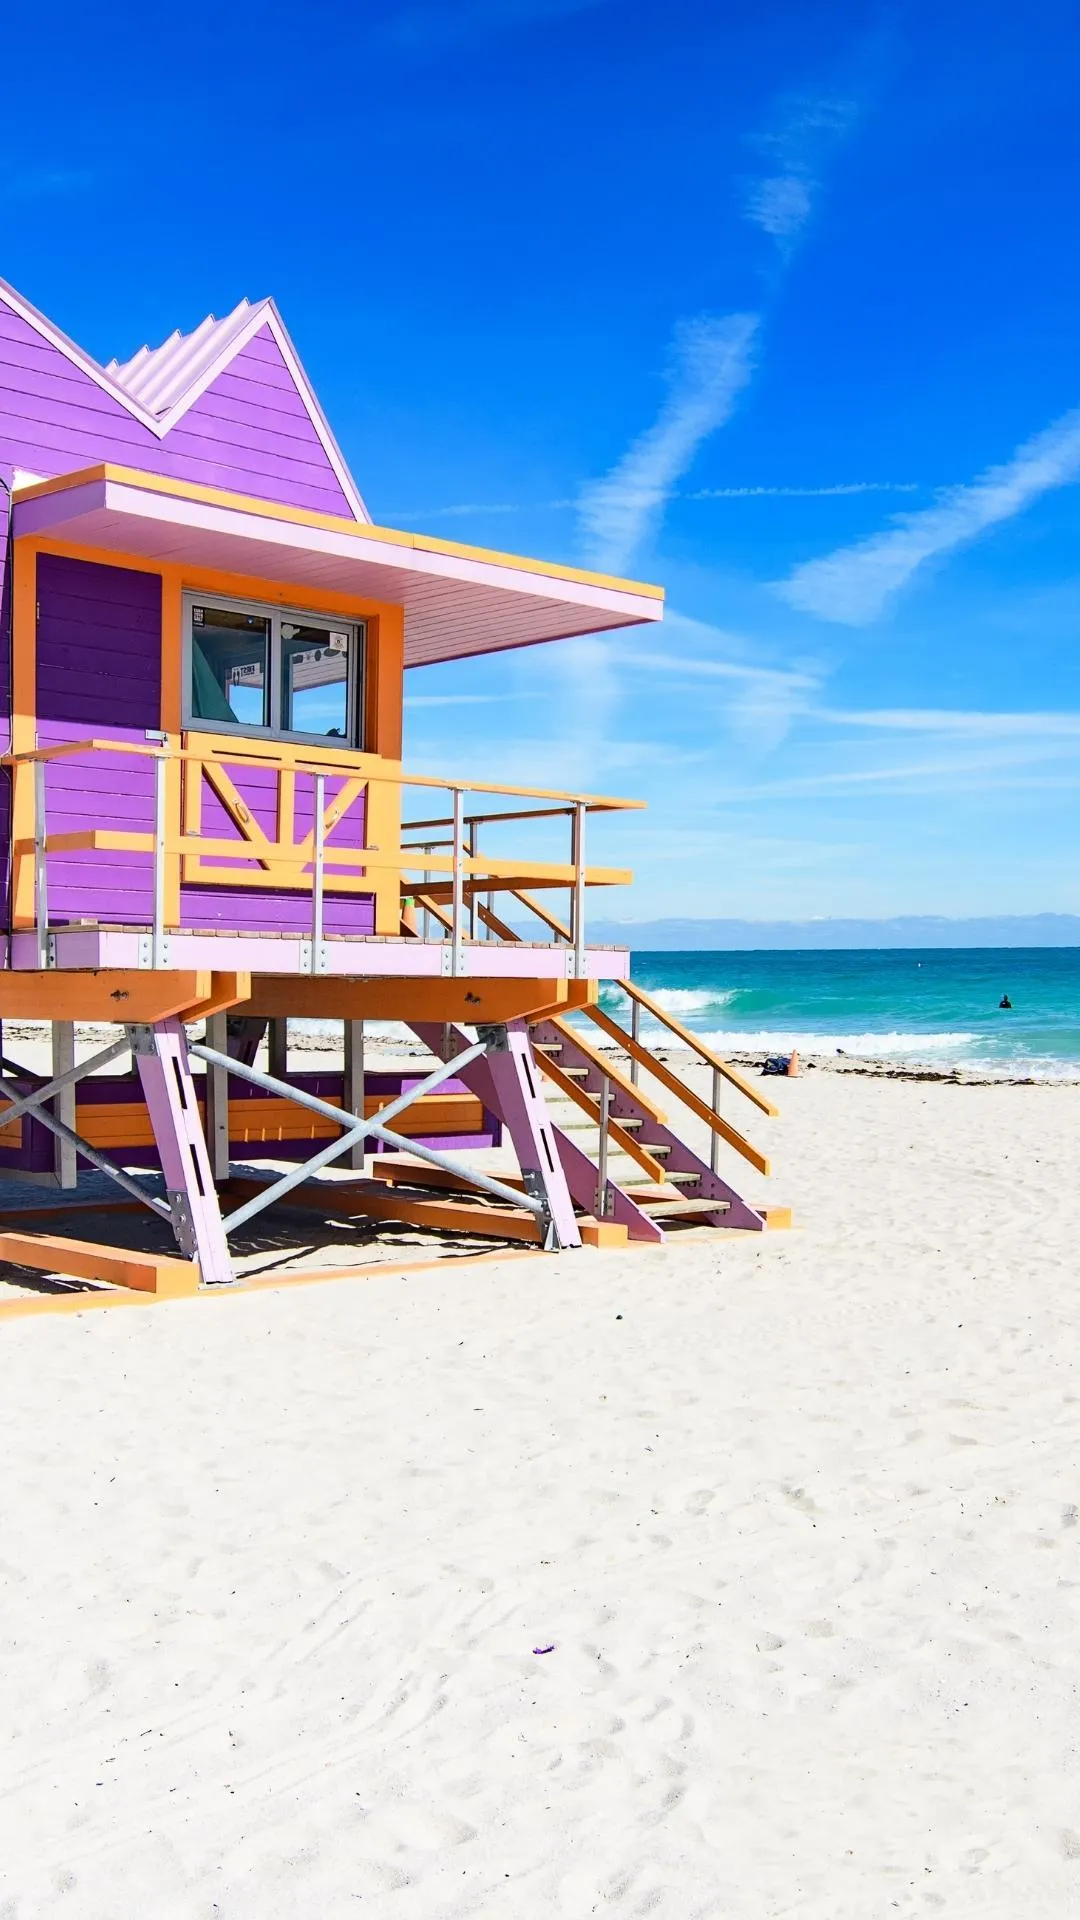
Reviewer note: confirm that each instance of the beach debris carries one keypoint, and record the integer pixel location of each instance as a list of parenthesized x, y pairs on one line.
[(550, 1649), (780, 1063)]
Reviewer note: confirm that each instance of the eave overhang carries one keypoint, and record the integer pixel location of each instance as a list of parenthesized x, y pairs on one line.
[(458, 600)]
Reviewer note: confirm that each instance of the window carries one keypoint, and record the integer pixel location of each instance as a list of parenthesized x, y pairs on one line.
[(274, 672)]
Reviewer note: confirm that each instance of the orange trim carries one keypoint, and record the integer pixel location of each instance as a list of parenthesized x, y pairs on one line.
[(398, 997), (23, 723), (107, 995), (385, 684), (334, 523)]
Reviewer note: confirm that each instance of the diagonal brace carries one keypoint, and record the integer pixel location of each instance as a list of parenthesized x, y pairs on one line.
[(353, 1134), (27, 1102), (96, 1159)]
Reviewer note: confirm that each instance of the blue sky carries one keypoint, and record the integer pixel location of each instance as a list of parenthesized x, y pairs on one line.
[(776, 305)]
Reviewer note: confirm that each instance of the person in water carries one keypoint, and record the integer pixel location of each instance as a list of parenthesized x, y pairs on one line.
[(1005, 1003)]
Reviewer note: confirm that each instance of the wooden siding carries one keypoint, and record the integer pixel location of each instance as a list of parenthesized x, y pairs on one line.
[(250, 433), (98, 672)]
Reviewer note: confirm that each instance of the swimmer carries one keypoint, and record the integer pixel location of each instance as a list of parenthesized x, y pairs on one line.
[(1005, 1004)]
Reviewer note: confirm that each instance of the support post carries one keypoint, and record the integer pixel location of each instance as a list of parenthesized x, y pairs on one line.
[(714, 1138), (41, 868), (508, 1082), (217, 1099), (279, 1048), (577, 905), (473, 846), (245, 1032), (635, 1035), (457, 889), (161, 1056), (63, 1105), (157, 937), (319, 874), (601, 1207), (354, 1087)]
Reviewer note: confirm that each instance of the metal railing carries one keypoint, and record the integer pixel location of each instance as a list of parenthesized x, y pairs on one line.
[(444, 867)]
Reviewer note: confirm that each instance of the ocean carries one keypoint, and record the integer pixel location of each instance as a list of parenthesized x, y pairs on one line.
[(938, 1007)]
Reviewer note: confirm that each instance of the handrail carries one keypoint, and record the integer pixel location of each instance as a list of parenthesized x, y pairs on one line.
[(326, 761), (692, 1040), (275, 857)]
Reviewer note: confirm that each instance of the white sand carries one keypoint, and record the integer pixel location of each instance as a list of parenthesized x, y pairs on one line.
[(801, 1528)]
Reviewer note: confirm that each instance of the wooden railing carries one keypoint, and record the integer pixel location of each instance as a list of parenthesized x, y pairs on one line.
[(640, 1056), (389, 861)]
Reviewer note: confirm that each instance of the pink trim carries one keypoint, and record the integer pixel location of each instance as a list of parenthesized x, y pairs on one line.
[(81, 947), (454, 606)]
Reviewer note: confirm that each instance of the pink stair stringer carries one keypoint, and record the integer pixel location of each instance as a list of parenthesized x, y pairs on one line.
[(582, 1178), (652, 1133), (507, 1080)]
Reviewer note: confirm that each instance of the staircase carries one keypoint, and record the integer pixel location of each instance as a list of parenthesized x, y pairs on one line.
[(635, 1168), (645, 1159)]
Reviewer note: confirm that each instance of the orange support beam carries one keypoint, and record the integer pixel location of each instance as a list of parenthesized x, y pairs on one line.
[(490, 1002), (111, 994), (160, 1274)]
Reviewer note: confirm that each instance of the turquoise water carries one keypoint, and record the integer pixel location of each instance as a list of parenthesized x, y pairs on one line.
[(938, 1007)]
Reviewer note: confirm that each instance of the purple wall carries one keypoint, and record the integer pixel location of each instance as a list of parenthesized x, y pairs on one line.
[(99, 675), (99, 627), (250, 432)]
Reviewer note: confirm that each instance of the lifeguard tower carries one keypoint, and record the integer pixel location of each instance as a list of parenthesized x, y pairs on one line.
[(209, 820)]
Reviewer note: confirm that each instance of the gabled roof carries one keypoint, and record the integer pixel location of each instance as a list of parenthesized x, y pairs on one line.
[(159, 384)]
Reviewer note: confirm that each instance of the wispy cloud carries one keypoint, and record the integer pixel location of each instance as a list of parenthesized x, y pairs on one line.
[(711, 363), (855, 584), (995, 770), (461, 509), (804, 493), (955, 722), (758, 703), (781, 201), (441, 22), (459, 699)]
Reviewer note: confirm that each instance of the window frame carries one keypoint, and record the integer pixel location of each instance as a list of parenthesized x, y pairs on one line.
[(275, 614)]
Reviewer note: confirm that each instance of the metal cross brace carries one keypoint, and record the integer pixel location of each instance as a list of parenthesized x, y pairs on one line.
[(32, 1103), (26, 1102), (361, 1128)]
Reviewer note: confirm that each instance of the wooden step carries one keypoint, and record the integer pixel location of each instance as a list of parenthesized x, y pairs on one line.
[(681, 1209)]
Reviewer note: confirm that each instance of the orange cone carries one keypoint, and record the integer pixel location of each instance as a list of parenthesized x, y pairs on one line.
[(793, 1067)]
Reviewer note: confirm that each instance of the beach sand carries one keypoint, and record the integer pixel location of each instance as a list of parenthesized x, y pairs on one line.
[(737, 1578)]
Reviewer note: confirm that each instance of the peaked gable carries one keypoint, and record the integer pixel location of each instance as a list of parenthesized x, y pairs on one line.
[(234, 409)]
